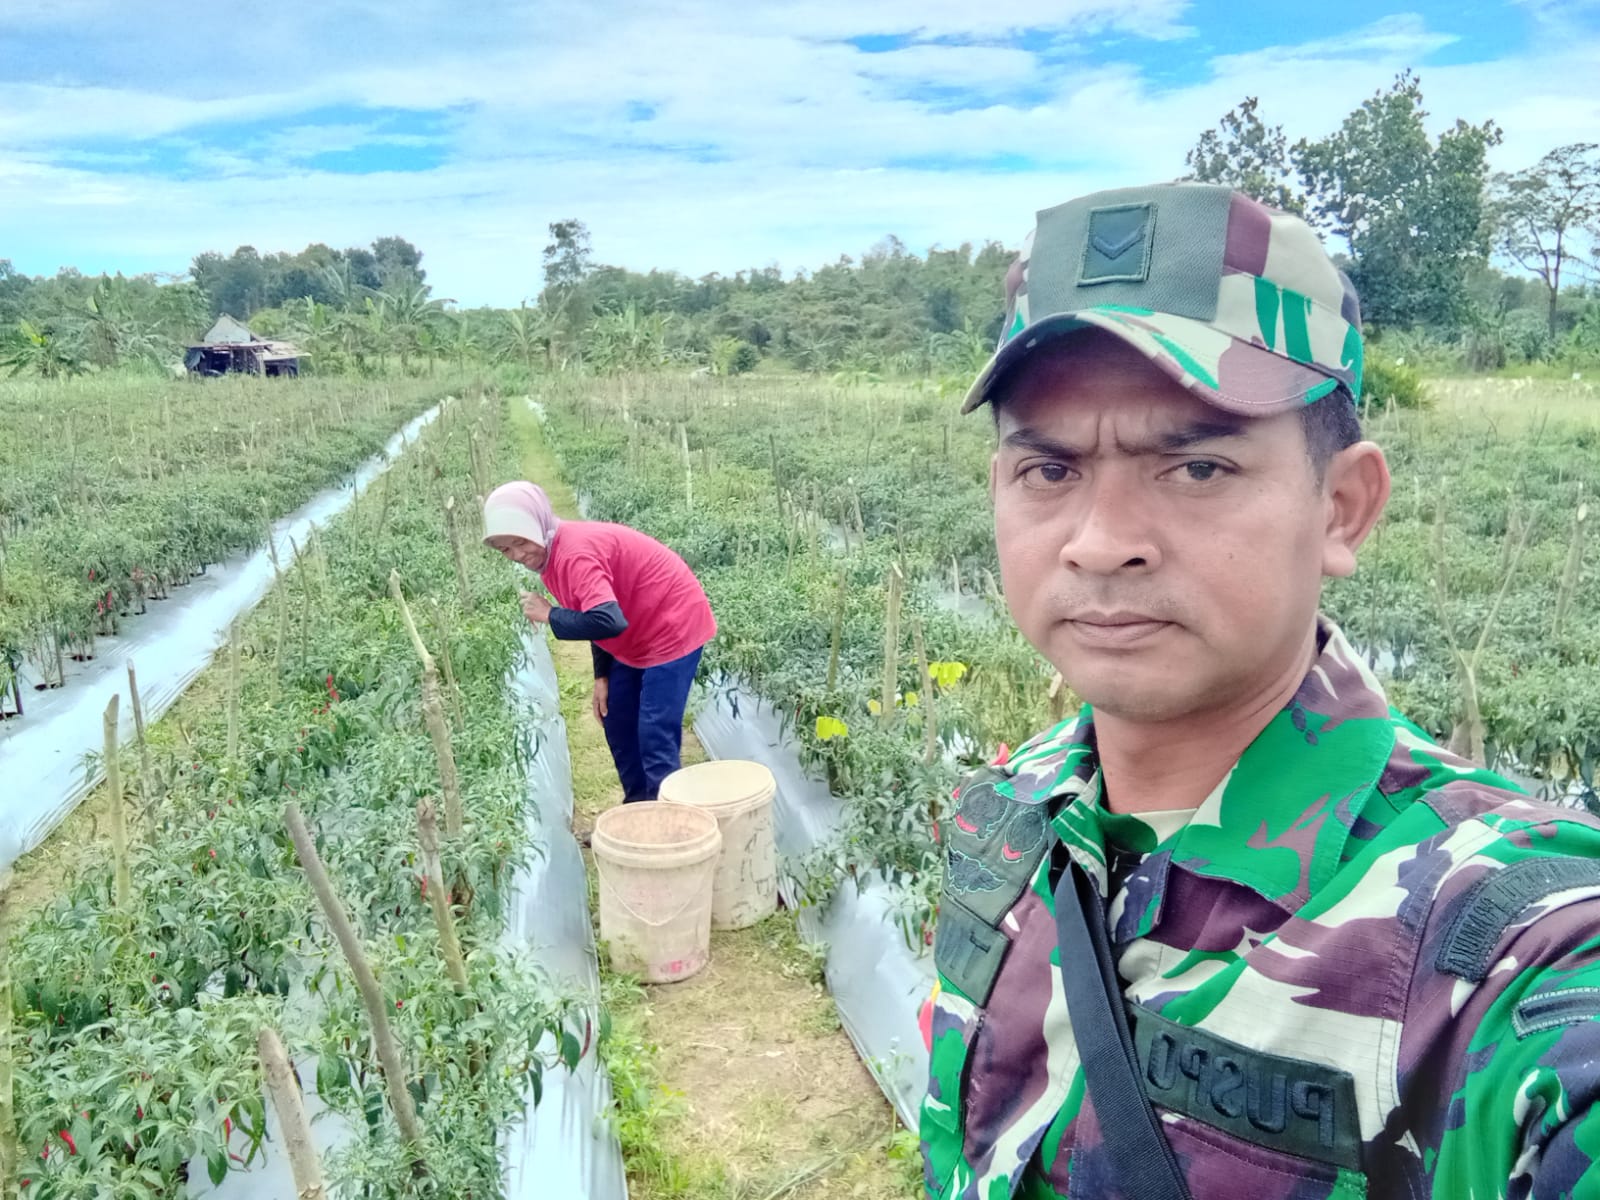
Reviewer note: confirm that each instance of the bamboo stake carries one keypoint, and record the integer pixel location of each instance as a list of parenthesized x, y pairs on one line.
[(383, 502), (280, 601), (233, 692), (838, 632), (452, 688), (8, 1119), (930, 710), (688, 470), (455, 552), (433, 716), (145, 778), (119, 816), (333, 909), (443, 920), (1573, 567), (891, 643), (284, 1088)]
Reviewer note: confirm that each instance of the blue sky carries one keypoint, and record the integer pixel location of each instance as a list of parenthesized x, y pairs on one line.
[(707, 135)]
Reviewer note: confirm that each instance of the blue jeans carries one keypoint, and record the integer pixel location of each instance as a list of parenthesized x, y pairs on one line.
[(644, 722)]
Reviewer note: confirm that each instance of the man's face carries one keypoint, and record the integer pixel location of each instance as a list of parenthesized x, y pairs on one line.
[(520, 550), (1165, 556)]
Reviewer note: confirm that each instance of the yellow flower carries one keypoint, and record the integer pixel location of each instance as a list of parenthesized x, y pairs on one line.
[(829, 728), (911, 700), (946, 674), (874, 707)]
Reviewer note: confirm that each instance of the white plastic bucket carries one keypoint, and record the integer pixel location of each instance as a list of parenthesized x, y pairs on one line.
[(655, 863), (739, 794)]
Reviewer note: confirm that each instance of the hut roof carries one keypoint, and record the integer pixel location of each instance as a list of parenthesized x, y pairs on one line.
[(228, 331)]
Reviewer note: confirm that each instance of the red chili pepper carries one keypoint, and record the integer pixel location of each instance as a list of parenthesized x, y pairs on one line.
[(138, 1113), (227, 1128), (399, 1003), (424, 879), (67, 1138)]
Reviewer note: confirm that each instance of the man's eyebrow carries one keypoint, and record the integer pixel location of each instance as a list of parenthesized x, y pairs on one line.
[(1192, 434), (1035, 442), (1172, 442)]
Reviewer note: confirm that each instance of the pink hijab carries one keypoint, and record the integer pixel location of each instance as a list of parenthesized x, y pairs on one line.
[(520, 509)]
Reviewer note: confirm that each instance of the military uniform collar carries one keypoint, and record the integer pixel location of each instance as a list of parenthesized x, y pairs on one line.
[(1279, 821)]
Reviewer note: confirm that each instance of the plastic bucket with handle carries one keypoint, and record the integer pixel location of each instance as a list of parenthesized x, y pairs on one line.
[(655, 862), (739, 794)]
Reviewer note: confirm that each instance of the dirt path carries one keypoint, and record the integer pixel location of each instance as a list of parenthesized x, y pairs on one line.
[(738, 1084)]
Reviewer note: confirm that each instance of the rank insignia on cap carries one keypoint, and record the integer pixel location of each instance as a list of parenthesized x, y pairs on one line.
[(1116, 244)]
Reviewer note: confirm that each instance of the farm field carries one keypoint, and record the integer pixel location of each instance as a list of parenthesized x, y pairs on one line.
[(116, 490), (134, 999), (842, 532)]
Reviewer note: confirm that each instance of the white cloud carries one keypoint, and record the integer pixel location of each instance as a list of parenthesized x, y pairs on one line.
[(770, 137)]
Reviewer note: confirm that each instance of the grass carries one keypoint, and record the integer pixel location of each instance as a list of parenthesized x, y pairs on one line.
[(1516, 403), (737, 1084)]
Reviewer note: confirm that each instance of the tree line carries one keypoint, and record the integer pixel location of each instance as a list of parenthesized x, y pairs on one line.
[(1457, 267)]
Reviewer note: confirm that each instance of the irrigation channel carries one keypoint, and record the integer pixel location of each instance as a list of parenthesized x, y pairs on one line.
[(42, 754)]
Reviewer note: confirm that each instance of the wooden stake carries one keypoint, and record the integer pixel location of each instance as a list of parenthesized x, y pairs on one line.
[(838, 632), (433, 716), (1574, 566), (233, 692), (452, 688), (372, 998), (284, 1088), (119, 816), (891, 643), (455, 552), (930, 710), (146, 780), (443, 920), (8, 1118)]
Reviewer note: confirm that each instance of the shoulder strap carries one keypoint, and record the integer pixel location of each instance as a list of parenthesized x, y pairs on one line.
[(1141, 1159)]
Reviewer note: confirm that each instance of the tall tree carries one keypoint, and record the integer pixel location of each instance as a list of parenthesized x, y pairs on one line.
[(1412, 211), (1542, 211), (399, 263), (1247, 155), (567, 259)]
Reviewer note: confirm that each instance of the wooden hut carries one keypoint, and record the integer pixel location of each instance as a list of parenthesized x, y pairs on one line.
[(230, 346)]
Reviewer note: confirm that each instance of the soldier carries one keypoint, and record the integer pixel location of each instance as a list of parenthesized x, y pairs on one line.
[(1347, 962)]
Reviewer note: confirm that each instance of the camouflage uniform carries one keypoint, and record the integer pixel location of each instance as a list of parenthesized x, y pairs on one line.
[(1364, 967), (1391, 957)]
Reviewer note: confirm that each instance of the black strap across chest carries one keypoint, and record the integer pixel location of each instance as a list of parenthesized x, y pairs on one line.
[(1143, 1162)]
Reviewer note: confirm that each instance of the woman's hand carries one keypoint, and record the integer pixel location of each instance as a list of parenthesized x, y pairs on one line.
[(602, 699), (536, 608)]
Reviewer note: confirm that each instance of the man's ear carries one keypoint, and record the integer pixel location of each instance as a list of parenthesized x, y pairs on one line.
[(1355, 489)]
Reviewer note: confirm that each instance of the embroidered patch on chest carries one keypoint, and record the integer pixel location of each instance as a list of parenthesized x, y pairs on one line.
[(1286, 1104)]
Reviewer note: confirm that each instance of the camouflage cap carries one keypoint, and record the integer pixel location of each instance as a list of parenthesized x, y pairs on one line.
[(1236, 301)]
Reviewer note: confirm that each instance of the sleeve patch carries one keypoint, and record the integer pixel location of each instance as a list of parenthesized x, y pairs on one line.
[(1549, 1010), (1496, 901)]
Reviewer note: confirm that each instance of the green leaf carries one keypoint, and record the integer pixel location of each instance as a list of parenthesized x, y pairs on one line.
[(217, 1166), (333, 1074)]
